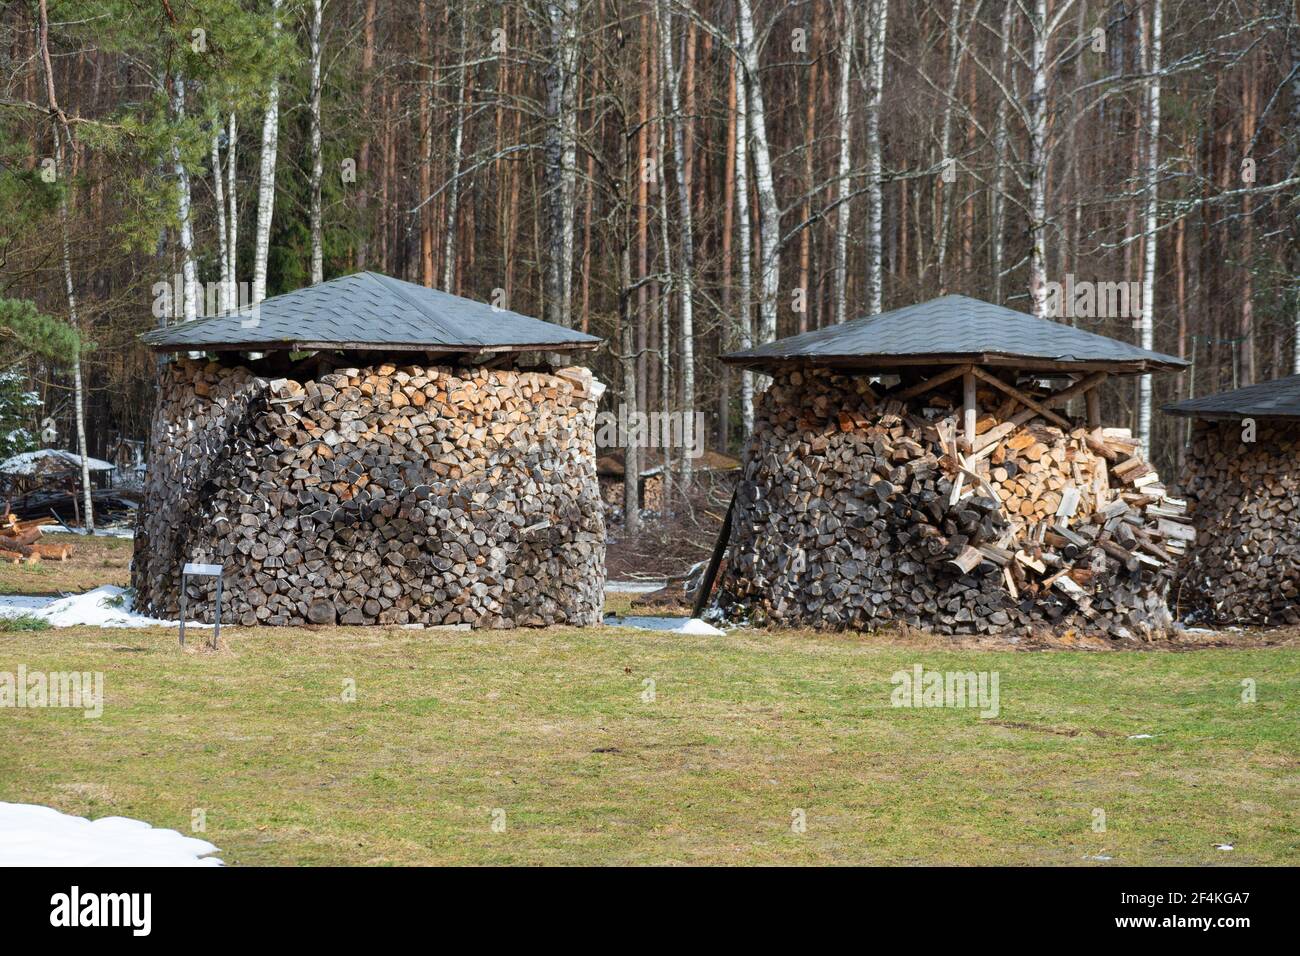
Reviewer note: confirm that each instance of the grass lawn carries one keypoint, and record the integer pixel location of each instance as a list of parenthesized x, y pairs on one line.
[(554, 729), (94, 561)]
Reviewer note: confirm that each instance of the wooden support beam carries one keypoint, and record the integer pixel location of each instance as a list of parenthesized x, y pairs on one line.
[(715, 560), (1021, 397), (1093, 398), (933, 382), (968, 406)]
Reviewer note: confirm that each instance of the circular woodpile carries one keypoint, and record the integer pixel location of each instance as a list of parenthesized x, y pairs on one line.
[(1245, 503), (856, 510), (384, 495)]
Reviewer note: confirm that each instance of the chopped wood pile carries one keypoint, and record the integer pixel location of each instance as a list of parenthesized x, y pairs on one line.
[(382, 495), (20, 541), (857, 509), (1245, 504)]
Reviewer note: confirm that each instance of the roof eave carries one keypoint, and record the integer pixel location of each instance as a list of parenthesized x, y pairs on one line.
[(308, 346), (887, 362), (1220, 415)]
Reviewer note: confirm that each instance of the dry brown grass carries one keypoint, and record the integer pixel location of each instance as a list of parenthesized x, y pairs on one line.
[(95, 561)]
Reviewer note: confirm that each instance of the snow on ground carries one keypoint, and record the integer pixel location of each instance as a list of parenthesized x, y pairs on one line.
[(634, 587), (42, 836), (673, 625), (97, 608), (24, 602)]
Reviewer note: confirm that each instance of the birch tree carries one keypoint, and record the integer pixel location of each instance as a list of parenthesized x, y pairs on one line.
[(946, 190), (685, 284), (232, 214), (266, 176), (1001, 140), (317, 165), (1151, 181), (839, 293), (185, 228), (769, 226), (453, 186), (223, 236), (744, 243), (876, 31), (560, 157)]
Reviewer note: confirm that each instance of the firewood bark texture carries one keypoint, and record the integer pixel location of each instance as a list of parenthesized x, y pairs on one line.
[(1244, 499), (384, 495), (856, 510)]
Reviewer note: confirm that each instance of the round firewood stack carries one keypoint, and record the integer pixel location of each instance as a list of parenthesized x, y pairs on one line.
[(857, 509), (1243, 486), (445, 496)]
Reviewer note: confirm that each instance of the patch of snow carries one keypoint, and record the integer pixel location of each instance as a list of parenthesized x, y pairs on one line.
[(1099, 858), (1142, 736), (25, 602), (29, 462), (31, 835), (1223, 846), (634, 587), (95, 608), (673, 625)]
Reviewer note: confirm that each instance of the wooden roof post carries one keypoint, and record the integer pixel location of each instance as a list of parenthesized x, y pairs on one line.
[(1092, 399), (968, 408)]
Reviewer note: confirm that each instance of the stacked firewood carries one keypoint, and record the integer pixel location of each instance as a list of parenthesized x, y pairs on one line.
[(1243, 486), (391, 495), (857, 509), (20, 541)]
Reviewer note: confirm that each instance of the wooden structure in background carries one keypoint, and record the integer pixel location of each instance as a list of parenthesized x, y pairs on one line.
[(1242, 481)]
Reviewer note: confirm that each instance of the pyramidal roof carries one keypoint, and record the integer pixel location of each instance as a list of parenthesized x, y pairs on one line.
[(952, 330), (1279, 398), (367, 310)]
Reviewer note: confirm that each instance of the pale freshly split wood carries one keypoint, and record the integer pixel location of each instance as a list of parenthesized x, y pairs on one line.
[(382, 495), (892, 522)]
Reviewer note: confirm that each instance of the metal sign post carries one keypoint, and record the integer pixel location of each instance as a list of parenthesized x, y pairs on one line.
[(203, 571)]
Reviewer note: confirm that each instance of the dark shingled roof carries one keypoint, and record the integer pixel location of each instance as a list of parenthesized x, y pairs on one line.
[(370, 311), (954, 330), (1279, 398)]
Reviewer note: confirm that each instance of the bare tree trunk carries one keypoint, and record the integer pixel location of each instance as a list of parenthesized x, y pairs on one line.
[(363, 161), (232, 218), (744, 238), (223, 237), (1038, 160), (425, 125), (317, 165), (453, 189), (1001, 139), (627, 348), (1151, 172), (877, 30), (60, 167), (185, 229), (1295, 158), (769, 226), (560, 158), (266, 178), (685, 225), (666, 402), (842, 185), (809, 182), (946, 190), (728, 230), (1247, 333)]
